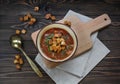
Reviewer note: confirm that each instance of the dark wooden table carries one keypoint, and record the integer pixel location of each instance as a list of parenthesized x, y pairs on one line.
[(106, 72)]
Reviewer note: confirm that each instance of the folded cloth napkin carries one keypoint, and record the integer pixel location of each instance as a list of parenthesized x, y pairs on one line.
[(73, 71)]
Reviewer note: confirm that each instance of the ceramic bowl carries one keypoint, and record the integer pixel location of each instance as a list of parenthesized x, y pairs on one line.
[(61, 26)]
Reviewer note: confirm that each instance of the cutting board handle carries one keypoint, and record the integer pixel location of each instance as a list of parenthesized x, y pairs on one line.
[(97, 23)]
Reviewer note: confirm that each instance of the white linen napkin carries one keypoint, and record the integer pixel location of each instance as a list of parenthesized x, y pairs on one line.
[(75, 70)]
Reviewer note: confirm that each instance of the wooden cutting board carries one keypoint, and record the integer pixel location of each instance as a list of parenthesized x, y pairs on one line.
[(83, 32)]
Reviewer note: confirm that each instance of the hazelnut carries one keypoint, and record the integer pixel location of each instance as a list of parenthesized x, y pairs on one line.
[(36, 9), (17, 31), (23, 31), (18, 66), (47, 16), (53, 18), (21, 61)]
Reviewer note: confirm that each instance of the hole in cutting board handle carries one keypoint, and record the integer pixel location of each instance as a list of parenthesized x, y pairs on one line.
[(105, 19)]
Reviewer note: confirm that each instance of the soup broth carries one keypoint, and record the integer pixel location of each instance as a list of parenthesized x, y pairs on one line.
[(57, 43)]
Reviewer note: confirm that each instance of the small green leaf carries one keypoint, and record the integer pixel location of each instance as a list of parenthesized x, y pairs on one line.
[(50, 36)]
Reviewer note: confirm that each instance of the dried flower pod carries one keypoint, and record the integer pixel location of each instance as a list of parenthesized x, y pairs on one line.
[(21, 19), (16, 61), (36, 9), (21, 61), (23, 31), (18, 67), (47, 16), (53, 18), (17, 31)]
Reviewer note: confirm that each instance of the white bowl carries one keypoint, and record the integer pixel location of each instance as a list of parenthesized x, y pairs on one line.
[(61, 26)]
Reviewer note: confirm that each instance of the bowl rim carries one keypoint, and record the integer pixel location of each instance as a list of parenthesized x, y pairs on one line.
[(54, 60)]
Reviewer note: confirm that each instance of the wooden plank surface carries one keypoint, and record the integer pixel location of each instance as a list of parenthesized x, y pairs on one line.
[(106, 72)]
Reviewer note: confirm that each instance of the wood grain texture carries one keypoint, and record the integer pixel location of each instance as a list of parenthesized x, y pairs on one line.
[(106, 72)]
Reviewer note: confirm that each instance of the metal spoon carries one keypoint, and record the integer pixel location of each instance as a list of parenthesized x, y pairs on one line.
[(16, 42)]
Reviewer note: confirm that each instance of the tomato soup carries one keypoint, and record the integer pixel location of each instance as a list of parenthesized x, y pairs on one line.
[(57, 43)]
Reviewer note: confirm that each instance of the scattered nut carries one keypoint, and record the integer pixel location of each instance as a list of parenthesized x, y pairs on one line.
[(47, 16), (30, 23), (33, 20), (26, 18), (53, 18), (36, 9), (23, 31), (29, 15), (17, 56), (21, 61), (29, 18), (17, 31), (21, 19), (16, 61), (18, 66), (68, 23)]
